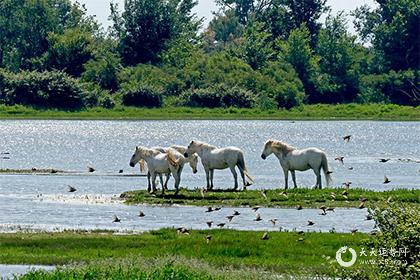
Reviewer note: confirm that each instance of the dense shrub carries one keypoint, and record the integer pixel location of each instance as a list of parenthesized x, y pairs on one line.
[(218, 96), (151, 76), (135, 94), (44, 89), (95, 96), (280, 82), (395, 87), (103, 70)]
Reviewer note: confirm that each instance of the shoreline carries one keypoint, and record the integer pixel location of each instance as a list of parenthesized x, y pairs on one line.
[(320, 112)]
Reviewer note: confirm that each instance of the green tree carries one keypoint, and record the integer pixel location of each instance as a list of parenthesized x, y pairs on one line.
[(339, 63), (393, 28), (298, 52), (225, 27), (25, 25), (146, 27)]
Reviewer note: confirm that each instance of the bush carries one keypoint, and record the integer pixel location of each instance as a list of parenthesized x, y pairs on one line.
[(139, 95), (395, 87), (103, 70), (43, 89), (151, 76), (218, 96), (95, 96), (280, 82)]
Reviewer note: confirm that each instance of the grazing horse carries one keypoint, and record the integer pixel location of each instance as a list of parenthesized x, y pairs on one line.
[(160, 163), (292, 159), (192, 160), (219, 158)]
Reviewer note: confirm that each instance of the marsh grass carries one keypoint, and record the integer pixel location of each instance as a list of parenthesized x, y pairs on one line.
[(305, 112), (282, 253), (275, 198)]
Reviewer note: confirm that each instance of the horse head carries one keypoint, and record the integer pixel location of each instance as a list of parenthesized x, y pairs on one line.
[(267, 149), (135, 158)]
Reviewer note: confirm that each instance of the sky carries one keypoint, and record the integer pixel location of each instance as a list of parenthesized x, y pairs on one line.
[(100, 8)]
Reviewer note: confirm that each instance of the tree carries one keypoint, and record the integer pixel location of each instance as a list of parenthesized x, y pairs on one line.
[(393, 28), (146, 27), (246, 10), (339, 62), (25, 25), (225, 28), (298, 52)]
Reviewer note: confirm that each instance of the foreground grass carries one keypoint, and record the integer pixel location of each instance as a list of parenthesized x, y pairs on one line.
[(282, 253), (305, 112), (275, 198)]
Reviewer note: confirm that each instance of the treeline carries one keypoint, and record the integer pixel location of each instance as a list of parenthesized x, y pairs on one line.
[(265, 54)]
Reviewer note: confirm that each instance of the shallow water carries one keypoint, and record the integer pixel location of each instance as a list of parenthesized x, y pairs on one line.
[(40, 202), (8, 271)]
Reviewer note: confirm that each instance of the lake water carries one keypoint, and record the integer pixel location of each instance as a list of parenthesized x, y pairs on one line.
[(41, 202)]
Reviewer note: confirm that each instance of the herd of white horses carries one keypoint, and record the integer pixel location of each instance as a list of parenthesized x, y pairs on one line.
[(166, 161)]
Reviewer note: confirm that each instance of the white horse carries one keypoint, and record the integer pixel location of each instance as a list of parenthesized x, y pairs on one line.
[(219, 158), (292, 159), (192, 160), (160, 163)]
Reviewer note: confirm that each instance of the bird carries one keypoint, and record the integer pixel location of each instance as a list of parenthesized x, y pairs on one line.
[(230, 218), (209, 209), (333, 195), (386, 180), (323, 213), (221, 225), (116, 219), (353, 231), (264, 193), (183, 230), (53, 171), (71, 188), (265, 236), (121, 171), (384, 160), (329, 172), (301, 239), (340, 159), (258, 218), (255, 208), (362, 205), (217, 208), (332, 230), (208, 238), (91, 169), (330, 209), (310, 223), (209, 223), (273, 221), (369, 217), (299, 207), (347, 138), (350, 168), (300, 232), (141, 214), (346, 184), (5, 153), (323, 208), (236, 213)]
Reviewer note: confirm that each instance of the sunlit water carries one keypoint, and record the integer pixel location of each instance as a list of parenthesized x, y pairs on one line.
[(39, 202)]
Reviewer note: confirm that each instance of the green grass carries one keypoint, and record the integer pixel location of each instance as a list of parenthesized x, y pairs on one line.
[(305, 112), (275, 198), (282, 253)]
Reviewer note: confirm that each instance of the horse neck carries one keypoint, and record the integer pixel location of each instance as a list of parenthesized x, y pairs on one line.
[(147, 154), (282, 150), (203, 148)]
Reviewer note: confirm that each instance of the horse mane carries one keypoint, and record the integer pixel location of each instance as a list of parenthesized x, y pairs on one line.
[(172, 159), (148, 152), (204, 145), (281, 146)]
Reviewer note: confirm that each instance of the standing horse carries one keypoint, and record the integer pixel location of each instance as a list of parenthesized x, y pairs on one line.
[(219, 158), (192, 160), (160, 163), (292, 159)]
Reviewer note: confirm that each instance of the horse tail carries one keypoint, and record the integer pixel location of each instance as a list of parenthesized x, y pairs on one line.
[(141, 163), (172, 159), (241, 165), (324, 164)]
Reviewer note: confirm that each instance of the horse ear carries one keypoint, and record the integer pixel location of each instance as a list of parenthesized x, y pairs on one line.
[(192, 142), (137, 148)]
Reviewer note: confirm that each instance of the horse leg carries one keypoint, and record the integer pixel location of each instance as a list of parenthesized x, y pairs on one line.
[(149, 186), (208, 178), (293, 178), (286, 178), (153, 174), (168, 175), (318, 177), (177, 180), (161, 183), (211, 178), (243, 176), (235, 176)]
